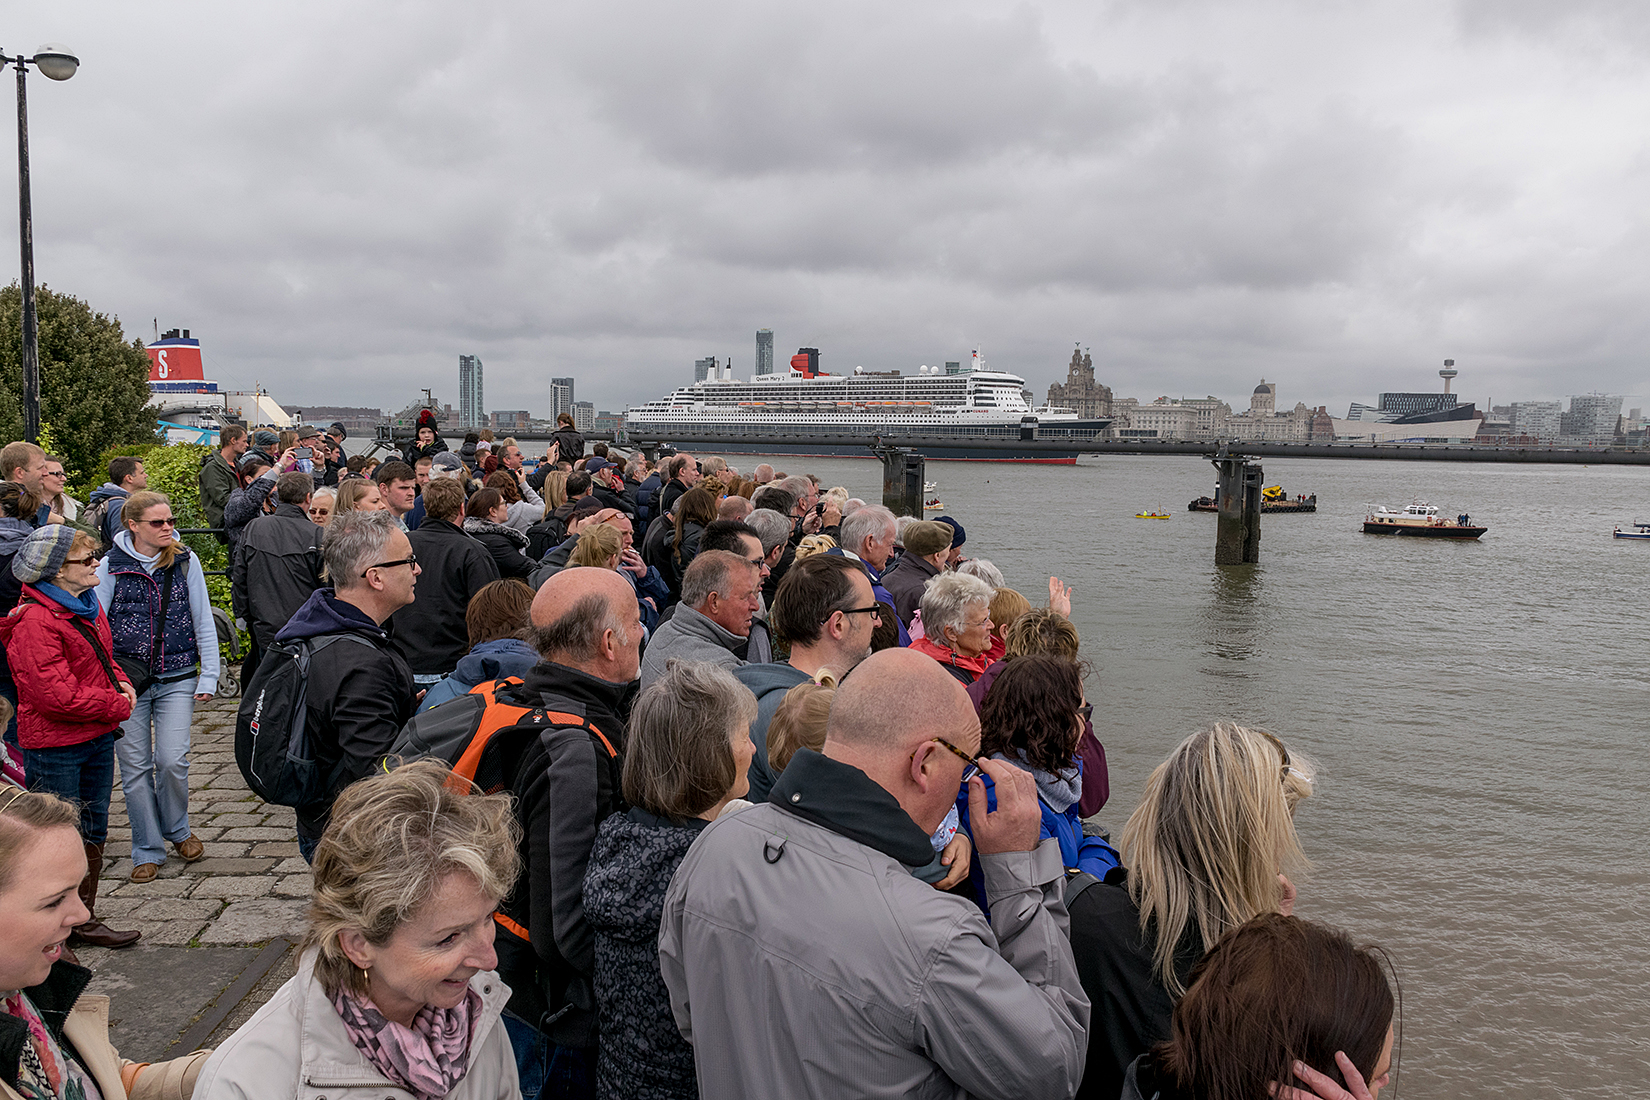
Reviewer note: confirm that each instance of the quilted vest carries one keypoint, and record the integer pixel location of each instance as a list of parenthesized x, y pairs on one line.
[(135, 606)]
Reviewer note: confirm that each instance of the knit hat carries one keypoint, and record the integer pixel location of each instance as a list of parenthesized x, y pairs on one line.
[(43, 553), (263, 437), (958, 536), (927, 537), (446, 460), (587, 506)]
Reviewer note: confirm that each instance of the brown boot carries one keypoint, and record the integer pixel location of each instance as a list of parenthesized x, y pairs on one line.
[(94, 933)]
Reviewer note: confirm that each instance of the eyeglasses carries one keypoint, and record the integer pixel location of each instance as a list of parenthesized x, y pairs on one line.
[(56, 473), (157, 524), (410, 559), (1086, 711), (983, 622), (875, 611), (1284, 753), (969, 772), (93, 560)]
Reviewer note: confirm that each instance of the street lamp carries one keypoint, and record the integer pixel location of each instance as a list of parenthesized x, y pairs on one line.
[(55, 62)]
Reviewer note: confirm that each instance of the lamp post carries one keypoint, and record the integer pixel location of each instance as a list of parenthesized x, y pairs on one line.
[(55, 62)]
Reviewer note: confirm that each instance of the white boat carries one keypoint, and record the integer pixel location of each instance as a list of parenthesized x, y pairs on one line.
[(1640, 531), (1420, 519), (805, 411)]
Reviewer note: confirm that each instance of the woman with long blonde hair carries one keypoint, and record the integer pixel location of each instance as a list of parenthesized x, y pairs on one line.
[(1210, 846)]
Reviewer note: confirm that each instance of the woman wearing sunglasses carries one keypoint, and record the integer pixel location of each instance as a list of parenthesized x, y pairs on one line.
[(71, 696), (1208, 848), (161, 617), (1032, 718)]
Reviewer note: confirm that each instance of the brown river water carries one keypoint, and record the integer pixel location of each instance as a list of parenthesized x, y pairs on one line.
[(1477, 711)]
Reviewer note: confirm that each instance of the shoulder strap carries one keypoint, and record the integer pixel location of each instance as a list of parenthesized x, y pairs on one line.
[(1076, 884), (91, 640)]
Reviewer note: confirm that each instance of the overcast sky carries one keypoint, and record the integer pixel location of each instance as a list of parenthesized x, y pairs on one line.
[(340, 198)]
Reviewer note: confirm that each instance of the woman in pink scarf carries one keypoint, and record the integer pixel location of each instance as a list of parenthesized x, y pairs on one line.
[(396, 988)]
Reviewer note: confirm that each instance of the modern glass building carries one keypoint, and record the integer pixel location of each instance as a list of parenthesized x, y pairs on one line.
[(470, 403), (764, 351)]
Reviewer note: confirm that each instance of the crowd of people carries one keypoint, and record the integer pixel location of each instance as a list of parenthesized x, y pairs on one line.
[(766, 792)]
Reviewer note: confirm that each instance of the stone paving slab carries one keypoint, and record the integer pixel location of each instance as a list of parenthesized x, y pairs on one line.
[(203, 922)]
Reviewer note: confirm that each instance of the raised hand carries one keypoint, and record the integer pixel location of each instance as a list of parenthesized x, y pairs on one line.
[(1059, 597)]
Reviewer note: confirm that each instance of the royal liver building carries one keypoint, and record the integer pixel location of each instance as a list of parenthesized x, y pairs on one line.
[(1080, 391)]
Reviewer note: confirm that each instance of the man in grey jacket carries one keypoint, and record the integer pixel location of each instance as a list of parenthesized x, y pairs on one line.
[(807, 954), (721, 591)]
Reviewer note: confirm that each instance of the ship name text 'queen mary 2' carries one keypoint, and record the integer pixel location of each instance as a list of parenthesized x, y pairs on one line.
[(972, 413)]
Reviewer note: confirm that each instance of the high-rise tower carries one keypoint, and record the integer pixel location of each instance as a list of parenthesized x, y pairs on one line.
[(471, 407), (561, 397), (764, 351)]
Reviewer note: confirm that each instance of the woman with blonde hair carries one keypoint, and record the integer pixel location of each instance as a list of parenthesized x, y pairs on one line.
[(160, 614), (396, 989), (600, 545), (814, 544), (1210, 846), (356, 494), (799, 723), (55, 1034)]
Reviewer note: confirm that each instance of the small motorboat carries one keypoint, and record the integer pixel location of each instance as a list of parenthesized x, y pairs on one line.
[(932, 504), (1640, 531), (1421, 520), (929, 486), (1159, 514)]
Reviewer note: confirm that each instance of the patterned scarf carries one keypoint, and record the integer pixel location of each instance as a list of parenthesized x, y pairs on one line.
[(428, 1059), (45, 1073)]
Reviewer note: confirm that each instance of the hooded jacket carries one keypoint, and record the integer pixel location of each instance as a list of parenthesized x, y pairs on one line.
[(506, 545), (276, 567), (296, 1046), (487, 661), (64, 696), (965, 669), (690, 636), (430, 631), (247, 504), (643, 1056), (768, 683), (13, 533), (565, 786), (218, 479), (359, 696), (805, 959), (905, 580), (128, 587), (79, 1021)]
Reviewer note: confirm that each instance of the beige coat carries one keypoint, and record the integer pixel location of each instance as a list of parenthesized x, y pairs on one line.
[(87, 1029), (295, 1048)]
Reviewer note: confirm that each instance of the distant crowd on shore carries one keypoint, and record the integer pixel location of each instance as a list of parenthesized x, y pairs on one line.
[(641, 780)]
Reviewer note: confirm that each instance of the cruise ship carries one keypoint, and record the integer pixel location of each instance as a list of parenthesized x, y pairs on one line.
[(975, 414)]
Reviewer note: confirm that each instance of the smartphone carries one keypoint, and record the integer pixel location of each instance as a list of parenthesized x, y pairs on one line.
[(303, 452), (819, 509)]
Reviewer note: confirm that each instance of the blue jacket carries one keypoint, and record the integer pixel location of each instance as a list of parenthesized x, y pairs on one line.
[(877, 590), (129, 588), (1077, 852), (493, 660)]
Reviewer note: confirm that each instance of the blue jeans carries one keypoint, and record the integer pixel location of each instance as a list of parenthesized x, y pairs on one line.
[(549, 1071), (307, 846), (83, 773), (154, 768)]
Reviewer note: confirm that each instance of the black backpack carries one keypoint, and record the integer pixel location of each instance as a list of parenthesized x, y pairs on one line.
[(273, 746)]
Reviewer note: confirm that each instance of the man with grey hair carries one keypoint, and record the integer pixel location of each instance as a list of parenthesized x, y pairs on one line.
[(360, 693), (734, 507), (867, 535), (774, 529), (762, 474), (807, 953), (588, 634), (721, 591)]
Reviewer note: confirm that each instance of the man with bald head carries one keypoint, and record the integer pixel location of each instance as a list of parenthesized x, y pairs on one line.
[(807, 955), (588, 635)]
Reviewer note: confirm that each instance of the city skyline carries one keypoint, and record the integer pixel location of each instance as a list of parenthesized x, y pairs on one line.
[(1201, 192)]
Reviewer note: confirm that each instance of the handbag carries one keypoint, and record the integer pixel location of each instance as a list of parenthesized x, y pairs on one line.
[(141, 673)]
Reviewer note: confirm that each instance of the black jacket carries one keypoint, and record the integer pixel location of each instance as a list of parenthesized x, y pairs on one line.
[(277, 567), (1132, 1008), (569, 445), (905, 582), (505, 544), (565, 786), (667, 495), (430, 631), (682, 556), (613, 500), (54, 998), (359, 697)]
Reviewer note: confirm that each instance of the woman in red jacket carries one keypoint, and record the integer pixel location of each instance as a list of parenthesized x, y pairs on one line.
[(71, 696)]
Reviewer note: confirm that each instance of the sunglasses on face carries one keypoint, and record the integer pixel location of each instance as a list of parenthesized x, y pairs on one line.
[(1086, 711), (93, 560), (157, 524)]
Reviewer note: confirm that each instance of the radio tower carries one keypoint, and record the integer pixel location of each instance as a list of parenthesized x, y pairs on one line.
[(1448, 373)]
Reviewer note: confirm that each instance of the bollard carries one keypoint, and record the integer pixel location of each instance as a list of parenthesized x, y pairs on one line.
[(902, 480), (1237, 524)]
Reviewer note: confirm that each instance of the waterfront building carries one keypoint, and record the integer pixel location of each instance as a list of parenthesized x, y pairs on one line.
[(608, 422), (584, 416), (1172, 418), (1535, 419), (561, 397), (511, 420), (764, 352), (1264, 422), (1080, 392), (1415, 404), (470, 402), (1591, 418)]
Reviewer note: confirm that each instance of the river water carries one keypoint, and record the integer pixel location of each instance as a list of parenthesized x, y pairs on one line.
[(1477, 712)]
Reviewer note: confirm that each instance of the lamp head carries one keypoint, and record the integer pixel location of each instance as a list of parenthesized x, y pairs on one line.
[(56, 61)]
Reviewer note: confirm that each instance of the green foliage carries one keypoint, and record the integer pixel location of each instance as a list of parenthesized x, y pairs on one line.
[(94, 386)]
